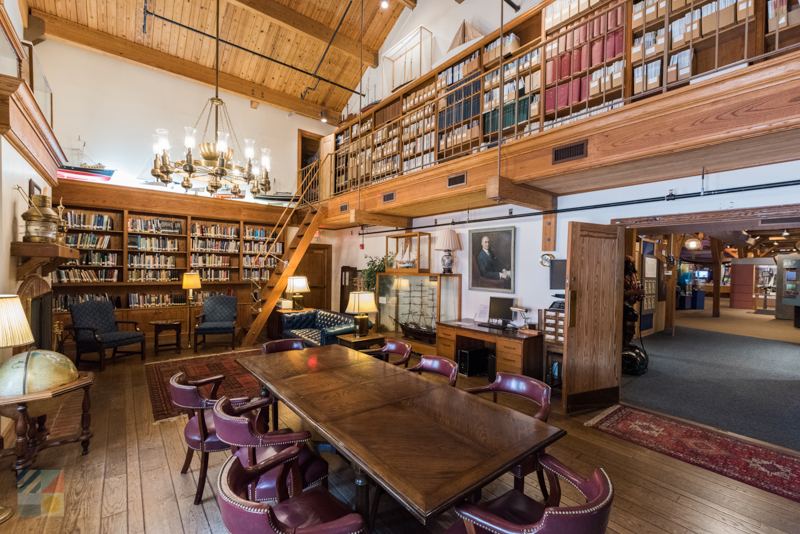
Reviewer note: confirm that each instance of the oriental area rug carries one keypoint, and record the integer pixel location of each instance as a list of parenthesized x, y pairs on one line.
[(761, 467), (237, 383)]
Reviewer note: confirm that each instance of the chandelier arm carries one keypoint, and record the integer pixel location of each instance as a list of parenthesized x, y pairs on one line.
[(208, 120), (230, 127), (200, 117)]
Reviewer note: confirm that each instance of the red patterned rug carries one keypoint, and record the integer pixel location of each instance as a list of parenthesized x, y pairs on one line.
[(761, 467), (237, 383)]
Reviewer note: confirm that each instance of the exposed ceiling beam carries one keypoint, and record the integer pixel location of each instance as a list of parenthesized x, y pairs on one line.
[(63, 30), (289, 18), (377, 219), (501, 189), (411, 4)]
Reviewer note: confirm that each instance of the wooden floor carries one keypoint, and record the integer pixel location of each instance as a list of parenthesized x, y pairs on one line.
[(131, 481)]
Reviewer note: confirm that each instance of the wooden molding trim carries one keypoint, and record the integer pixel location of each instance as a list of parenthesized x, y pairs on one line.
[(63, 30), (502, 190), (705, 217), (25, 127), (11, 33), (360, 217)]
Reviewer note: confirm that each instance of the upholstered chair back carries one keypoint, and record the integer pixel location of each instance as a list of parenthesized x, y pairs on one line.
[(184, 395), (219, 309), (98, 314)]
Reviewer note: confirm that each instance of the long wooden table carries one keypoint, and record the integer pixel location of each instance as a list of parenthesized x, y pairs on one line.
[(427, 444)]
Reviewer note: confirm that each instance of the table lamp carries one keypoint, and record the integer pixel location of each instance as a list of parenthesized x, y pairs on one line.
[(191, 281), (361, 303), (15, 331), (297, 285), (448, 241)]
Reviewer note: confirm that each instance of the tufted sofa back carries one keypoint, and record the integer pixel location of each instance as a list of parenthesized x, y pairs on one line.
[(328, 319), (317, 319)]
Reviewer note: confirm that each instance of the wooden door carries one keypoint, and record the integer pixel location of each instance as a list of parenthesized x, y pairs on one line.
[(316, 267), (593, 330)]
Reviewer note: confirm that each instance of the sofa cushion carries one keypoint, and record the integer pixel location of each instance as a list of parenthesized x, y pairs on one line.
[(121, 338), (311, 336)]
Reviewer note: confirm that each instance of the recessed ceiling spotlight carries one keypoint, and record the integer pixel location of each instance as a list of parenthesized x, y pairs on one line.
[(323, 115), (785, 233), (384, 4)]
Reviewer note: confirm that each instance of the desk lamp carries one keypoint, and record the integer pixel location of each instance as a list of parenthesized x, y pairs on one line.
[(191, 281), (361, 303), (297, 285), (15, 331)]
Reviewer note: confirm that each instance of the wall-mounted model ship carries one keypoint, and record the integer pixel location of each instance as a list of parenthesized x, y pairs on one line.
[(419, 320)]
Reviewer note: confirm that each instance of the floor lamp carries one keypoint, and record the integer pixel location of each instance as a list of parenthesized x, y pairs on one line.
[(14, 332), (191, 281)]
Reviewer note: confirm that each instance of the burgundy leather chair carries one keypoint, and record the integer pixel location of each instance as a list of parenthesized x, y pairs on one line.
[(534, 390), (252, 444), (200, 433), (439, 366), (281, 345), (392, 347), (315, 511), (516, 513)]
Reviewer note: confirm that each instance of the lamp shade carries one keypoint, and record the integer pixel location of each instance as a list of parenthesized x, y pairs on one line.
[(191, 280), (362, 302), (448, 240), (400, 284), (14, 328), (297, 284)]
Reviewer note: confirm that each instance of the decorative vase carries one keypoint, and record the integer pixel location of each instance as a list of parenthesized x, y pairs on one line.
[(447, 262)]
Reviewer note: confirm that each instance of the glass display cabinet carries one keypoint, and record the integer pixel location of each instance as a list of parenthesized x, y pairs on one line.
[(408, 253), (411, 304)]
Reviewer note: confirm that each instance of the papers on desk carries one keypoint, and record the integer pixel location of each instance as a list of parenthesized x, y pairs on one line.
[(483, 314)]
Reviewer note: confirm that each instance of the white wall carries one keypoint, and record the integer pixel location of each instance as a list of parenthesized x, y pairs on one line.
[(532, 282), (116, 106)]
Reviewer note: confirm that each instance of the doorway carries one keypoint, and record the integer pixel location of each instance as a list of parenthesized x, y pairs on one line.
[(316, 266)]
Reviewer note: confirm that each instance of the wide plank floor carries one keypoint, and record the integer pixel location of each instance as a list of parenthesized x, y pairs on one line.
[(131, 481)]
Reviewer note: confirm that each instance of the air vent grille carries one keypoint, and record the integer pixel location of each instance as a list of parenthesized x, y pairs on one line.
[(388, 197), (779, 220), (344, 208), (456, 180), (571, 152)]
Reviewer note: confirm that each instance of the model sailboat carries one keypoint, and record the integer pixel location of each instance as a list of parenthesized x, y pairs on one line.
[(419, 319)]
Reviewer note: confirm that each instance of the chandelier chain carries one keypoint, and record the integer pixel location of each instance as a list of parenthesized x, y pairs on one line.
[(208, 119), (230, 127)]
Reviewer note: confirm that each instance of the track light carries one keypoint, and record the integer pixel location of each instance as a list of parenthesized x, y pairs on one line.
[(384, 4), (785, 233), (323, 115)]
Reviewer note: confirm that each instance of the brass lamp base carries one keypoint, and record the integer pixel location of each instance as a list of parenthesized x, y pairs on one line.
[(5, 514), (297, 301), (362, 325)]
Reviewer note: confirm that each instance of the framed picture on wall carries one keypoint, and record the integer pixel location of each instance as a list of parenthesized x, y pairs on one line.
[(492, 264)]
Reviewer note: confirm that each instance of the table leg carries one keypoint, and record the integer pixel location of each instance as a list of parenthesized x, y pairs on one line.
[(178, 340), (362, 492), (21, 446), (86, 421), (156, 341)]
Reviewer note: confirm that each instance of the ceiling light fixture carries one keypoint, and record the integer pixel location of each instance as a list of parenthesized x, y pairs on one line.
[(693, 243), (323, 115), (216, 164), (384, 4), (785, 233)]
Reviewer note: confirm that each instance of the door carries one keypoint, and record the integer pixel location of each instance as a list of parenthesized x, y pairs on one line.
[(593, 330), (316, 267)]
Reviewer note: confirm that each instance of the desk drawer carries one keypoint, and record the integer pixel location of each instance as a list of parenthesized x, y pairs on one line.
[(504, 345), (446, 332), (509, 357), (505, 366), (446, 348)]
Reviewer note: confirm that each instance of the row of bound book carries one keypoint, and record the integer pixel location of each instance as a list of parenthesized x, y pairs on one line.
[(77, 276), (88, 241), (214, 245), (96, 259), (147, 300), (84, 220), (583, 31), (210, 260), (586, 57), (155, 226), (155, 275), (214, 230), (62, 303), (153, 244)]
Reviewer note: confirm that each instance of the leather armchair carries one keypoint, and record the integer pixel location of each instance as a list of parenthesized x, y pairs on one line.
[(200, 433), (315, 511), (95, 329), (218, 317), (439, 366), (252, 444), (536, 391), (392, 347), (516, 513)]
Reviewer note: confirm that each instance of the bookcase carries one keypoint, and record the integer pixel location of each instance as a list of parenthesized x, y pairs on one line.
[(136, 259)]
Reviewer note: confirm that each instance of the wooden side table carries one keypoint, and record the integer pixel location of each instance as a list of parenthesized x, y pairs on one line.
[(362, 343), (167, 324)]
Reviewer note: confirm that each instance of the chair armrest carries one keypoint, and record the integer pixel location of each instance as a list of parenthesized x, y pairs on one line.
[(134, 323), (206, 381), (480, 389), (475, 514), (349, 524), (286, 456), (284, 436), (339, 330), (94, 331), (200, 316), (373, 352), (252, 405)]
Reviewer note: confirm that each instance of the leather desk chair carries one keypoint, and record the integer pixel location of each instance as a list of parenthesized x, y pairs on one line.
[(281, 345), (200, 433), (392, 347), (315, 511), (252, 444), (515, 512), (439, 366), (531, 389)]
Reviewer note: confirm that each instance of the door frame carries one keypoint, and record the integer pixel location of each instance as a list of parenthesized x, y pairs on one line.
[(328, 269)]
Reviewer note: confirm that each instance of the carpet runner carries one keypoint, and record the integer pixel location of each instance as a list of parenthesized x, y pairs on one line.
[(237, 383), (761, 467)]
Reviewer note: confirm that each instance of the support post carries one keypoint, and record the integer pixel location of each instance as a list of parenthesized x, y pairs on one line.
[(716, 269)]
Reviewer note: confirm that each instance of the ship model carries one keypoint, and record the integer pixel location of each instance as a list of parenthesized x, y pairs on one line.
[(406, 258), (419, 321)]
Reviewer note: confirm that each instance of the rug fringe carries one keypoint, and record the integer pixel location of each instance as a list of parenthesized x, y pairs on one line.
[(602, 415)]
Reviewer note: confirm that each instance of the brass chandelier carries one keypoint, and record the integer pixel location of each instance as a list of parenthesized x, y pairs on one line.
[(216, 164)]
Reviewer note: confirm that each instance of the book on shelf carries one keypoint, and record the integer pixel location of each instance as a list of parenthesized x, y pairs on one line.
[(61, 303), (215, 230), (152, 261), (85, 220), (81, 276), (153, 244), (88, 241), (210, 260), (154, 275), (155, 225), (202, 244), (147, 300)]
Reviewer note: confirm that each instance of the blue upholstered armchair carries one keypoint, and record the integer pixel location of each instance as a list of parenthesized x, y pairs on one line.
[(95, 329), (317, 327), (218, 317)]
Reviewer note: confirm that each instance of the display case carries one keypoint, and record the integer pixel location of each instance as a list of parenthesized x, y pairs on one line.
[(411, 304), (408, 60), (408, 253)]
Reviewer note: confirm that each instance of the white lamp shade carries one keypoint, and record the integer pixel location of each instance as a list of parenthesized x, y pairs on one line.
[(693, 243), (297, 284), (191, 280), (362, 302), (400, 284), (14, 328), (448, 240)]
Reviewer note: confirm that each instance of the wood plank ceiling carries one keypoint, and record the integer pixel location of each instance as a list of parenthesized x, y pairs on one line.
[(245, 27)]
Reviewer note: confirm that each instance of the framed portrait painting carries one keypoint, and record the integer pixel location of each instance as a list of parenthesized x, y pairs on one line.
[(492, 259)]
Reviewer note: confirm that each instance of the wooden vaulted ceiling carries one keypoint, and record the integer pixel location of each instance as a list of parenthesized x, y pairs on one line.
[(291, 31)]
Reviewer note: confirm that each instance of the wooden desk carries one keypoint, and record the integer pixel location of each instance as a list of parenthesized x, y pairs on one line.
[(516, 353), (275, 322), (427, 444)]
